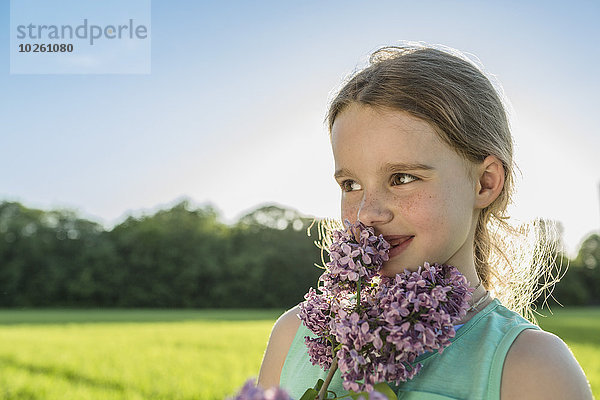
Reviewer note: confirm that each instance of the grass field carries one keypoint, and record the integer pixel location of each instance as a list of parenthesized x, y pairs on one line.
[(174, 354)]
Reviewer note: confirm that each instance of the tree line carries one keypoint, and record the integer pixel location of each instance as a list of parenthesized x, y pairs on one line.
[(184, 257)]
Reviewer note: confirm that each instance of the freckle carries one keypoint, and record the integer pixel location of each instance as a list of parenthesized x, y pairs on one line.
[(411, 202)]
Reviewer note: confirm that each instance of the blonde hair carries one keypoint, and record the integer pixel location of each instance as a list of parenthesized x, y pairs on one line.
[(448, 90)]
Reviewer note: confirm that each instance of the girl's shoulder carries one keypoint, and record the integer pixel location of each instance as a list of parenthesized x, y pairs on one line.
[(281, 338), (286, 325), (539, 365)]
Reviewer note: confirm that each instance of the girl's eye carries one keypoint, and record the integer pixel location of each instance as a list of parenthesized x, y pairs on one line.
[(402, 178), (349, 185), (397, 179)]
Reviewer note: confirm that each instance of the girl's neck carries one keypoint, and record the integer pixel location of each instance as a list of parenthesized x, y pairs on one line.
[(478, 295)]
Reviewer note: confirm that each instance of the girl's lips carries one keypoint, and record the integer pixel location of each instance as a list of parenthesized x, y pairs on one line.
[(395, 250)]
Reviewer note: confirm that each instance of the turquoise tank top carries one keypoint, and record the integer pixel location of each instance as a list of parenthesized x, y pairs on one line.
[(469, 368)]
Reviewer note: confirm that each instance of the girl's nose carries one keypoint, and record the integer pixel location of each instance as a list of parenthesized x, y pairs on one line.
[(373, 210)]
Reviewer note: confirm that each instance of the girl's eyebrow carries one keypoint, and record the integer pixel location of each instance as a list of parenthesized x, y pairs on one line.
[(390, 167)]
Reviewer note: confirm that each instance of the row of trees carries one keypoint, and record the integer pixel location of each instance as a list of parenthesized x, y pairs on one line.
[(179, 257), (184, 257), (581, 283)]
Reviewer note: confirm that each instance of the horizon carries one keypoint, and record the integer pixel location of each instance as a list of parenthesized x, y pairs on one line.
[(148, 212)]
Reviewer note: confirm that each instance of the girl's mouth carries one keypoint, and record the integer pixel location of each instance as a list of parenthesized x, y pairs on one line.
[(398, 244)]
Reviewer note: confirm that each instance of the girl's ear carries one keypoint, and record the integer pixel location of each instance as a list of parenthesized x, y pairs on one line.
[(490, 181)]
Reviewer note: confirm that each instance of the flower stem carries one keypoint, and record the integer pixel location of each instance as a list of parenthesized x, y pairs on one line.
[(323, 391), (358, 294)]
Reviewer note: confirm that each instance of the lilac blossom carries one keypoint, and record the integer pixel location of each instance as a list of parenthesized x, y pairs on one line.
[(374, 395), (319, 351), (409, 315), (250, 392), (315, 312), (355, 253)]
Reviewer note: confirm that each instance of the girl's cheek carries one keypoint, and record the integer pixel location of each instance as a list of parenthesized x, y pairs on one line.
[(424, 209), (349, 210)]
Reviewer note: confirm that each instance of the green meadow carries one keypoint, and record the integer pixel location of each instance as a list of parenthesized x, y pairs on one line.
[(175, 354)]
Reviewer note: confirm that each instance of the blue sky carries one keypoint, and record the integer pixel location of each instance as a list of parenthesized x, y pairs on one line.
[(232, 110)]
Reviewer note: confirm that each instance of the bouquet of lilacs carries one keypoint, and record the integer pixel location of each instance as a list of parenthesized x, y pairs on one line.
[(372, 327)]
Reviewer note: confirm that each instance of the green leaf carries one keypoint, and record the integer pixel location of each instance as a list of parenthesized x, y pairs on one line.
[(310, 394), (355, 395), (387, 391), (319, 385)]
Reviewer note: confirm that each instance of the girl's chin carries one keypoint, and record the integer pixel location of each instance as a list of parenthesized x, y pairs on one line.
[(391, 271)]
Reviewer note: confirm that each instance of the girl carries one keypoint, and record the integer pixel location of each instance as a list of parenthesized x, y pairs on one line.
[(423, 154)]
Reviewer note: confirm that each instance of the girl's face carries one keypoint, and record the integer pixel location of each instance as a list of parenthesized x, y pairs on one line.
[(397, 176)]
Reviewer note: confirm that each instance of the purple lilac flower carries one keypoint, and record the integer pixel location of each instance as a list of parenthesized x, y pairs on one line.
[(315, 312), (250, 392), (375, 395), (410, 314), (320, 351), (355, 253)]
